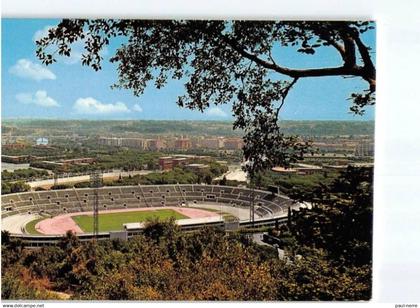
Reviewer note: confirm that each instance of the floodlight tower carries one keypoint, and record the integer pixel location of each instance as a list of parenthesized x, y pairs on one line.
[(55, 179), (252, 201), (96, 182), (252, 205)]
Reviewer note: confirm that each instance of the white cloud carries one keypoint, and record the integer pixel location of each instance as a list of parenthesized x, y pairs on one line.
[(137, 108), (89, 105), (41, 33), (216, 112), (25, 68), (40, 98)]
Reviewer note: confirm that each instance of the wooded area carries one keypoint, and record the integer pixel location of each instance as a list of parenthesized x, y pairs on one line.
[(328, 257)]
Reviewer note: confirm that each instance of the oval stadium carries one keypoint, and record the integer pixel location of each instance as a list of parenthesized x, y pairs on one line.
[(42, 217)]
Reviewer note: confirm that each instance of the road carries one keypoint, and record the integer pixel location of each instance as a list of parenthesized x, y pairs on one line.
[(12, 167)]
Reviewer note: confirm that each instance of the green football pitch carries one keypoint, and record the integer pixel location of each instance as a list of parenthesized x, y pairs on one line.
[(115, 221)]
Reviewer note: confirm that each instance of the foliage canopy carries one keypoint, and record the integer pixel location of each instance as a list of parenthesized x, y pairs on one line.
[(221, 62)]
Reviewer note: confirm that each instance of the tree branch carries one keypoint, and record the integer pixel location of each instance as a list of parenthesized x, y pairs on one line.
[(284, 94), (339, 48), (368, 70), (350, 52), (364, 52), (294, 73)]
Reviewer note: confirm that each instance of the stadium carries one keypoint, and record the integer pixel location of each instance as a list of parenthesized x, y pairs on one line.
[(41, 218)]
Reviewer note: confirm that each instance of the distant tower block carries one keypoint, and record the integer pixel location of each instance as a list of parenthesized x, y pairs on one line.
[(364, 149), (42, 141)]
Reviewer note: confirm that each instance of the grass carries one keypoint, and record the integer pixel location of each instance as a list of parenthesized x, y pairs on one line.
[(229, 217), (115, 221), (30, 226)]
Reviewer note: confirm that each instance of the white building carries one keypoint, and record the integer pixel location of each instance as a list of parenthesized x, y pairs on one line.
[(42, 141)]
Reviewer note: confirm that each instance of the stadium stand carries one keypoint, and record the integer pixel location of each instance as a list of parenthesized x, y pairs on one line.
[(56, 202)]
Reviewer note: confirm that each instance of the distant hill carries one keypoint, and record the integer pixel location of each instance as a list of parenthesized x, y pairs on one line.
[(328, 128), (188, 128)]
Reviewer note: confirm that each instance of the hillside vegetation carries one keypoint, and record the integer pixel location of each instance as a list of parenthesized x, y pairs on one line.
[(157, 127), (328, 257)]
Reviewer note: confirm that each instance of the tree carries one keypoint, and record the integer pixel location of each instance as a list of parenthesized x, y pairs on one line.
[(208, 179), (221, 62), (341, 218), (166, 264), (5, 237), (156, 229), (15, 187), (314, 277)]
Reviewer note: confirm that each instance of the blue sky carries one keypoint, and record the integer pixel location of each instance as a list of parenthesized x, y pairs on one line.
[(66, 90)]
